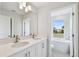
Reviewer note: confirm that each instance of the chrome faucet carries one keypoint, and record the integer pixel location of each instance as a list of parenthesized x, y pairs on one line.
[(17, 38), (33, 35)]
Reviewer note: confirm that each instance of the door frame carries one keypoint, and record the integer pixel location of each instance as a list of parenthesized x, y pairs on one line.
[(60, 12)]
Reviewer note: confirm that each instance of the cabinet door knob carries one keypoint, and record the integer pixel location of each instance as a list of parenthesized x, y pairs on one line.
[(29, 54), (26, 54), (42, 45)]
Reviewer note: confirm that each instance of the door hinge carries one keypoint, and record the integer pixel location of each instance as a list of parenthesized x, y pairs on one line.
[(72, 35), (73, 13)]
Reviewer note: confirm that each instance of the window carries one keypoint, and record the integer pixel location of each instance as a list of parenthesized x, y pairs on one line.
[(58, 28)]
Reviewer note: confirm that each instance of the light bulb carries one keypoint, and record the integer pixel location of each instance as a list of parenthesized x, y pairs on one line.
[(24, 4), (29, 8), (20, 5), (26, 9)]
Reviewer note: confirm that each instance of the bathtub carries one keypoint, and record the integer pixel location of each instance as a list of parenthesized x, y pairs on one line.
[(60, 48)]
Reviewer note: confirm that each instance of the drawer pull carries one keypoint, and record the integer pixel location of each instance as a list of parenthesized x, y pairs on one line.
[(42, 45), (29, 54), (26, 54)]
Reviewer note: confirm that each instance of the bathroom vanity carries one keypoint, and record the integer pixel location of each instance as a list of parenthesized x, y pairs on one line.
[(25, 48)]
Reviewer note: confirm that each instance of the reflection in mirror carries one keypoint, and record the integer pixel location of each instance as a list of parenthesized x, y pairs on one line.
[(26, 26), (14, 25), (10, 25), (4, 26)]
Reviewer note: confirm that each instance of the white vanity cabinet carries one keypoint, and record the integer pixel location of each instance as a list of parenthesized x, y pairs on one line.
[(36, 50), (31, 51), (41, 49), (28, 52), (44, 48), (22, 53)]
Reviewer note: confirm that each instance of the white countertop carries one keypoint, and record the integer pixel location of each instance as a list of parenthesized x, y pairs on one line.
[(7, 49)]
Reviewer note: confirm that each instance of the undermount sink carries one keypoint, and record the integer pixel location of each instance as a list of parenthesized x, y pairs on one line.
[(20, 44), (37, 38)]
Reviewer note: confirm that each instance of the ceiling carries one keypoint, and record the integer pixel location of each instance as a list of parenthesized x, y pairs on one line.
[(53, 4), (40, 4), (14, 6), (11, 7)]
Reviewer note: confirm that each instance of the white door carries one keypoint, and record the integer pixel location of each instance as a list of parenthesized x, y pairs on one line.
[(66, 15)]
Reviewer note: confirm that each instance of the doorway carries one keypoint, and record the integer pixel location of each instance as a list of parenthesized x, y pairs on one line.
[(61, 42)]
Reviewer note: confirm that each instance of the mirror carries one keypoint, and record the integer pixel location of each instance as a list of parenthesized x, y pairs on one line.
[(17, 25), (12, 22), (11, 25)]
